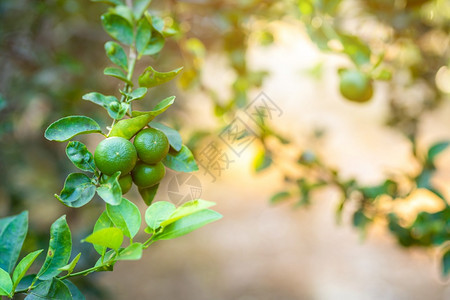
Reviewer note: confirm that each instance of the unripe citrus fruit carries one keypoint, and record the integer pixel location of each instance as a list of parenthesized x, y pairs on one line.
[(125, 183), (115, 154), (355, 85), (151, 145), (145, 175)]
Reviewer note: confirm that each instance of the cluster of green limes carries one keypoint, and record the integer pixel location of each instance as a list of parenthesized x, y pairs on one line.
[(138, 162)]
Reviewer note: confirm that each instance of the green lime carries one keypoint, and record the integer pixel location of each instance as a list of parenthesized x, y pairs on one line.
[(355, 86), (151, 145), (145, 175), (115, 154), (125, 183)]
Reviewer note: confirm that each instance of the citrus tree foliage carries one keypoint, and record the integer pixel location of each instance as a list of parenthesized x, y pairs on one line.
[(413, 45), (135, 33)]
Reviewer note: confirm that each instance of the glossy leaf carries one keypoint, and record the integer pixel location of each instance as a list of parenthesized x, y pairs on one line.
[(80, 156), (262, 160), (74, 291), (124, 11), (182, 161), (103, 222), (78, 190), (110, 2), (59, 249), (356, 50), (174, 137), (435, 150), (99, 99), (143, 35), (127, 128), (106, 237), (280, 196), (188, 224), (13, 231), (118, 27), (116, 54), (23, 266), (117, 73), (69, 267), (446, 263), (125, 216), (157, 213), (157, 110), (137, 94), (53, 288), (66, 128), (132, 252), (187, 209), (109, 189), (26, 282), (6, 284), (148, 194), (150, 77), (139, 6), (155, 44)]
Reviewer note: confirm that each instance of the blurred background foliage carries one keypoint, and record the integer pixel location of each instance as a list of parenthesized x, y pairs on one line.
[(51, 53)]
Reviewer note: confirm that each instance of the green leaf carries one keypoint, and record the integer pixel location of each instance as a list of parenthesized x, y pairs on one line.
[(262, 160), (132, 252), (69, 267), (116, 54), (2, 103), (280, 196), (26, 282), (109, 189), (78, 190), (157, 110), (124, 11), (66, 128), (356, 50), (435, 150), (118, 27), (155, 44), (387, 187), (188, 224), (106, 237), (117, 73), (446, 263), (53, 288), (182, 161), (137, 94), (100, 99), (13, 231), (23, 266), (174, 137), (150, 77), (110, 2), (139, 6), (129, 127), (80, 156), (74, 291), (143, 35), (125, 216), (188, 208), (59, 249), (118, 110), (148, 194), (157, 22), (103, 222), (157, 213), (6, 284)]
